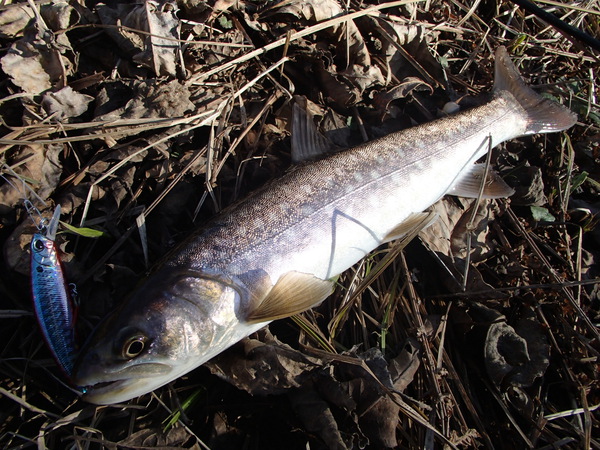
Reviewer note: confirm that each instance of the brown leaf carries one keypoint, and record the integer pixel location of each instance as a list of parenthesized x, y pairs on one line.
[(413, 59), (280, 367), (40, 163), (147, 99), (384, 98), (14, 19), (159, 48), (516, 356), (35, 62), (65, 104), (404, 366), (317, 416), (529, 186), (30, 69), (175, 438), (59, 15), (344, 82), (448, 234)]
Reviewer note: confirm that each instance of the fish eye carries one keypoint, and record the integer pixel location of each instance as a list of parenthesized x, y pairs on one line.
[(133, 346), (38, 245)]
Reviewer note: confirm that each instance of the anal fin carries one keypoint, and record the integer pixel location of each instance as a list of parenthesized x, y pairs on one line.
[(293, 293), (469, 184), (411, 226)]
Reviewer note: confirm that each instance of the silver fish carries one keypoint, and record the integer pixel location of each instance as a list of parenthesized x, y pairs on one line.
[(275, 253)]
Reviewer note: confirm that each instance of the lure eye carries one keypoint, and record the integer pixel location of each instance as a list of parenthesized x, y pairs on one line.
[(133, 346), (38, 245)]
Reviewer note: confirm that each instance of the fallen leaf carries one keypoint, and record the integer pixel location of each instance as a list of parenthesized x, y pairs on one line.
[(263, 368), (14, 19), (353, 71), (407, 85), (176, 437), (38, 163), (516, 356), (317, 417), (529, 186), (157, 47), (65, 103), (35, 63), (147, 99), (448, 234), (404, 366), (59, 15)]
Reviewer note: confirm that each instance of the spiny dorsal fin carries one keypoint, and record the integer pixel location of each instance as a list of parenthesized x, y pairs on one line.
[(411, 226), (469, 184), (293, 293), (542, 115), (307, 143)]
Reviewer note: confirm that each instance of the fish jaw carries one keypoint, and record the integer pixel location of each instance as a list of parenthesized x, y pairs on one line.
[(175, 322), (105, 388)]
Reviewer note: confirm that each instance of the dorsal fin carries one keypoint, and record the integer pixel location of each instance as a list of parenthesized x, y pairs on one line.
[(307, 143)]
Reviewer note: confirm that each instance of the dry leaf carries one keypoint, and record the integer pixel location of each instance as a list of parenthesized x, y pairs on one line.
[(384, 98), (404, 366), (416, 60), (33, 71), (176, 438), (14, 19), (161, 48), (147, 99), (448, 234), (158, 47), (263, 368), (59, 15), (353, 72), (42, 165), (316, 415), (36, 62), (529, 186), (65, 104)]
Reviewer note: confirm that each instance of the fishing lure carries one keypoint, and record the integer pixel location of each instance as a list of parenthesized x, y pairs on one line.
[(51, 300)]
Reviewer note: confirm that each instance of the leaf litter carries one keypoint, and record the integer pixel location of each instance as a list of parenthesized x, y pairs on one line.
[(154, 116)]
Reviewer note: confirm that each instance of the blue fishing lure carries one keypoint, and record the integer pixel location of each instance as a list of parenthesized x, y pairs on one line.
[(51, 300)]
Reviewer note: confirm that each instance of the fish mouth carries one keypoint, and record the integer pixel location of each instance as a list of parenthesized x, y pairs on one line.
[(117, 391), (131, 385), (100, 389)]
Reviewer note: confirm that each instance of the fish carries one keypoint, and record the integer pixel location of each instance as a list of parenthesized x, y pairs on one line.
[(52, 302), (277, 252)]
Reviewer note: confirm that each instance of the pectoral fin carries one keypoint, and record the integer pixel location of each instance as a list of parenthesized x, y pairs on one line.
[(469, 184), (293, 293)]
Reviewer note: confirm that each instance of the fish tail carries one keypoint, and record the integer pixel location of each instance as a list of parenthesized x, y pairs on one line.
[(542, 115)]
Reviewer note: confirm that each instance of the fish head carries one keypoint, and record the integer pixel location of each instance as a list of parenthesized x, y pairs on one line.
[(173, 323), (42, 250)]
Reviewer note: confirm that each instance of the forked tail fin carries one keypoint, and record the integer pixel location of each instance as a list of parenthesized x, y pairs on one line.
[(543, 115)]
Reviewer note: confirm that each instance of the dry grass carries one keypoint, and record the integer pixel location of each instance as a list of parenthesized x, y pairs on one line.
[(160, 175)]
